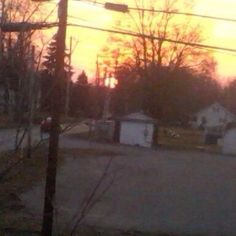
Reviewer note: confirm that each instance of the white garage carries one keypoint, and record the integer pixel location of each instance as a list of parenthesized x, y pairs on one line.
[(136, 129), (229, 142)]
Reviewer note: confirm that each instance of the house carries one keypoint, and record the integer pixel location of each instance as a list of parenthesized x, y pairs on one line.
[(214, 115), (136, 129)]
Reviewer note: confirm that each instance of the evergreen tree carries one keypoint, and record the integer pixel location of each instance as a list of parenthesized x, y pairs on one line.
[(50, 59), (48, 76), (80, 104), (82, 79)]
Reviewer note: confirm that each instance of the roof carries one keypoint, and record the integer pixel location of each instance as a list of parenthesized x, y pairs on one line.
[(220, 106), (138, 117)]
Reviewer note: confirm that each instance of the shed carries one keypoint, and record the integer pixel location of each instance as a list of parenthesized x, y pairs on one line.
[(136, 129)]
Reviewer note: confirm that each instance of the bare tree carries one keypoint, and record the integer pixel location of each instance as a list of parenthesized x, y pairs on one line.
[(164, 25), (18, 66)]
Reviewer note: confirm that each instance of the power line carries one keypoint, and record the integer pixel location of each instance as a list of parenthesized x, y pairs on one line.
[(175, 12), (118, 30), (127, 31), (232, 54), (77, 18), (18, 26), (198, 45)]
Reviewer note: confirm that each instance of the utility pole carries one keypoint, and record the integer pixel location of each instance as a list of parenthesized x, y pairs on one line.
[(97, 79), (107, 102), (2, 21), (68, 81), (31, 102), (50, 188)]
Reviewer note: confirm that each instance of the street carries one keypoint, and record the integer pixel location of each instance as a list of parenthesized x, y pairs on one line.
[(181, 192), (7, 138)]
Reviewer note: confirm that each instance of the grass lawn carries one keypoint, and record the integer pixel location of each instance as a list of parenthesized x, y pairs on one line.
[(180, 138), (184, 139)]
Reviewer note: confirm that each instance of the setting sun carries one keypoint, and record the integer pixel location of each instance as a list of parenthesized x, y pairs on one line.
[(111, 82)]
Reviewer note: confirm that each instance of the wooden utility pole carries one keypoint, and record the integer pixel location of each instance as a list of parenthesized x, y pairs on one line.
[(31, 102), (68, 81), (97, 81), (2, 21), (50, 188)]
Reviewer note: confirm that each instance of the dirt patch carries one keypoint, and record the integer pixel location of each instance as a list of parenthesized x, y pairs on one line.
[(21, 177), (23, 172), (14, 219)]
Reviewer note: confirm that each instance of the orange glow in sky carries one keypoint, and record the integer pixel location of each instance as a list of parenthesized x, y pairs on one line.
[(222, 33), (90, 42)]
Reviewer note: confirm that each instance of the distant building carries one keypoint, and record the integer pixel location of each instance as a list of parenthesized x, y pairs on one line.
[(214, 115), (136, 129)]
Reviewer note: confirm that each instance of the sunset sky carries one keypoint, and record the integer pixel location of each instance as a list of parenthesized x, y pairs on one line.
[(223, 33), (217, 33)]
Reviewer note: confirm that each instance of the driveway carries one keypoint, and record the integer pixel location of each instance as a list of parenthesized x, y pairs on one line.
[(186, 193)]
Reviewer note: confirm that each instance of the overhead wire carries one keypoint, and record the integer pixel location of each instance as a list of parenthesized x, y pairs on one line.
[(77, 18), (174, 12), (198, 45), (216, 49)]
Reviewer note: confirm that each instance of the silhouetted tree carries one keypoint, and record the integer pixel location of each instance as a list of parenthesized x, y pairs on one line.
[(48, 77), (80, 102), (82, 79), (170, 96)]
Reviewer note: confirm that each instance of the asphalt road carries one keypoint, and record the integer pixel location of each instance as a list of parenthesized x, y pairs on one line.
[(189, 193), (7, 138)]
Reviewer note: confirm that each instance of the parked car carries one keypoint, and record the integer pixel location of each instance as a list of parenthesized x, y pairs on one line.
[(45, 125)]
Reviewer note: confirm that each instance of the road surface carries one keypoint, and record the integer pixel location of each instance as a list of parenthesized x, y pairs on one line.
[(187, 193), (7, 136)]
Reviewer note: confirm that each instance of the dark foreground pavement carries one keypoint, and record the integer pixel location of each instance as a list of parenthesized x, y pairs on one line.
[(186, 193)]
